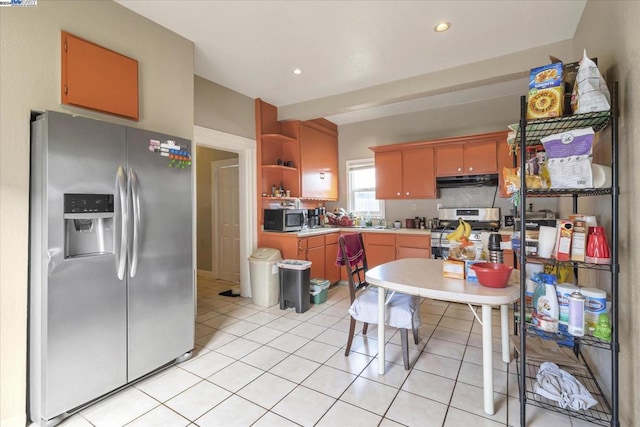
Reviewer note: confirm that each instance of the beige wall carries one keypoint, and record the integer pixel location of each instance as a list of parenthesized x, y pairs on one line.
[(30, 80), (467, 119), (204, 157), (219, 108), (609, 30), (224, 110)]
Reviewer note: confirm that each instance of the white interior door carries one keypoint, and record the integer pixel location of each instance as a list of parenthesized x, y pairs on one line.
[(226, 219)]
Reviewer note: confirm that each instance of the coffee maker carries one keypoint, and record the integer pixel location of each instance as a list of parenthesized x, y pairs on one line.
[(313, 218)]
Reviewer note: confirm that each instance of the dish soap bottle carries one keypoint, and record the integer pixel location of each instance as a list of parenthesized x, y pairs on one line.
[(545, 304)]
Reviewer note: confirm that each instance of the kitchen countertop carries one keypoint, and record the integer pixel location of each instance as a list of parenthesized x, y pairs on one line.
[(328, 230), (335, 229)]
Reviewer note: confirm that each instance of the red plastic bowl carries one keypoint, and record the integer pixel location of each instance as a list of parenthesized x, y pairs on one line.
[(492, 275)]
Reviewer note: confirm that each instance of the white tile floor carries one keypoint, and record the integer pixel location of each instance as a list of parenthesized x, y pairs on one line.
[(256, 366)]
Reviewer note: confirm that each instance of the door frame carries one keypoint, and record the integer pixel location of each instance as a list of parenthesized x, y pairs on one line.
[(216, 165), (247, 164)]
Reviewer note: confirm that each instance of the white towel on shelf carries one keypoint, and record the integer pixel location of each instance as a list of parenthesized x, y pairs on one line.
[(560, 386)]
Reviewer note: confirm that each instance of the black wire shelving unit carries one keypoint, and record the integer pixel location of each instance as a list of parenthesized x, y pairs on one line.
[(606, 412)]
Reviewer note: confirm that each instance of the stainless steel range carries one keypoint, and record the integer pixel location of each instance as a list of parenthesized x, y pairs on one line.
[(481, 219)]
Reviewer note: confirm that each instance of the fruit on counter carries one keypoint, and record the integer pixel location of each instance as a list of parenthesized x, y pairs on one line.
[(463, 230)]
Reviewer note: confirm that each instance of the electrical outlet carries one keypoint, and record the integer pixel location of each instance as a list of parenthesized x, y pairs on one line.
[(414, 207), (439, 206)]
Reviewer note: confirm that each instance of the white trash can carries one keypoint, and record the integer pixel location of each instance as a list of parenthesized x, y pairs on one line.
[(264, 276)]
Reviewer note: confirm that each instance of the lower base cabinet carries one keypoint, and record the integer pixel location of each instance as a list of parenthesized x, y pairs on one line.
[(331, 270), (413, 246), (385, 247), (380, 248), (320, 250)]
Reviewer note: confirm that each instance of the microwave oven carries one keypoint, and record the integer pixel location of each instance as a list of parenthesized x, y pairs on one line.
[(284, 219)]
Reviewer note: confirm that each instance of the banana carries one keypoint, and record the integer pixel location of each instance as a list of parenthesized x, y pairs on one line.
[(467, 229), (463, 230), (457, 233)]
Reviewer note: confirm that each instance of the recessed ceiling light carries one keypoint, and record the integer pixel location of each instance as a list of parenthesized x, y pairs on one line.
[(441, 27), (297, 71)]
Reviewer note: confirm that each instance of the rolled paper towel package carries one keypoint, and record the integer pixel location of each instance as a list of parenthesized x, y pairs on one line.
[(601, 176)]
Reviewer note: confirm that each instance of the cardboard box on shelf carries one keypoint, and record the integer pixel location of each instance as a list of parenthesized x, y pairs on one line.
[(579, 240), (546, 91), (563, 240)]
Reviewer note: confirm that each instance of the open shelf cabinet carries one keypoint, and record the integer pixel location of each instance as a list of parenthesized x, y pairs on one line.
[(529, 133)]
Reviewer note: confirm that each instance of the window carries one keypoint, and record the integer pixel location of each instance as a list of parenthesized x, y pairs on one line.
[(361, 181)]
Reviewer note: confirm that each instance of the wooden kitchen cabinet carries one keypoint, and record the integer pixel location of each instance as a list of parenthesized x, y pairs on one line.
[(321, 250), (418, 177), (289, 245), (383, 247), (318, 161), (388, 175), (276, 147), (380, 248), (468, 158), (413, 246), (98, 78), (405, 174), (316, 254), (449, 159), (311, 147), (331, 270)]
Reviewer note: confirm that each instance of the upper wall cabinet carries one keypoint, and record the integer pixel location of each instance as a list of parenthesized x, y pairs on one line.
[(277, 144), (405, 174), (467, 158), (97, 78), (302, 157), (408, 170), (319, 160)]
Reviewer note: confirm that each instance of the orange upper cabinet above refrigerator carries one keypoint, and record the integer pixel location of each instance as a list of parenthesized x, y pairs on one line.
[(97, 78), (405, 174), (319, 160)]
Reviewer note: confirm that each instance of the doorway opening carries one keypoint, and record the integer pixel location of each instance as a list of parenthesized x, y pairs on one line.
[(225, 220), (245, 149)]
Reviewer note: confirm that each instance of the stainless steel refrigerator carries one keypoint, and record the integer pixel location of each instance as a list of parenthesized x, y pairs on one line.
[(111, 287)]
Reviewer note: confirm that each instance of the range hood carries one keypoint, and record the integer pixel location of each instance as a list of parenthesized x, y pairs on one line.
[(487, 180)]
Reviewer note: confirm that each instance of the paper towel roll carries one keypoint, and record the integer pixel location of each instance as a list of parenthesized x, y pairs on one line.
[(601, 176), (546, 241)]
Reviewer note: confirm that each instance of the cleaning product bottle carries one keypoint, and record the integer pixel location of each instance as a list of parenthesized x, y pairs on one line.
[(545, 304)]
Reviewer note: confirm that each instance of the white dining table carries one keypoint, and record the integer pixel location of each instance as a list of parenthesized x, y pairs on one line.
[(423, 277)]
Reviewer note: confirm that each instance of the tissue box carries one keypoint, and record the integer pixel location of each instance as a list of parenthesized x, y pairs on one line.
[(546, 91), (470, 273)]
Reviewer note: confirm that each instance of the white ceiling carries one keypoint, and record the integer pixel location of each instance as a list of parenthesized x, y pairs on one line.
[(360, 47)]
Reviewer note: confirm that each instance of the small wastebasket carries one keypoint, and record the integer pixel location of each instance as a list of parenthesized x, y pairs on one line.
[(294, 284), (319, 290), (263, 273)]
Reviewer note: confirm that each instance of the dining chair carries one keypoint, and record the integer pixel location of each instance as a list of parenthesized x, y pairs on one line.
[(401, 310)]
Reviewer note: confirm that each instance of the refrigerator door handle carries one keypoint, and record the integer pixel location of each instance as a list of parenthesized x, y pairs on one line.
[(135, 211), (121, 219)]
